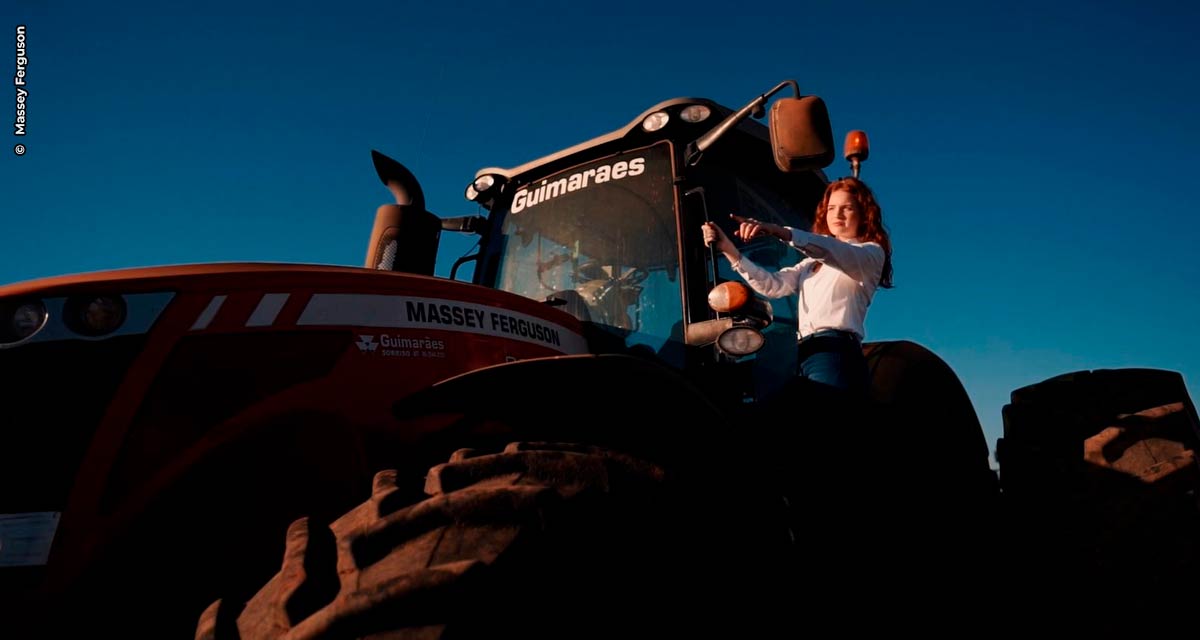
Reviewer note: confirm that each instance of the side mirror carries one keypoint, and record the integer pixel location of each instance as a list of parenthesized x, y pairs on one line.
[(801, 136), (405, 236)]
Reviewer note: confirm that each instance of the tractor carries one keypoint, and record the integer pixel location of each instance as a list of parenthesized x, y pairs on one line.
[(601, 433)]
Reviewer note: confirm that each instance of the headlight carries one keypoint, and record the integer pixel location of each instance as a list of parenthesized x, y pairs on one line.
[(740, 341), (480, 187), (94, 315), (655, 121), (483, 183), (26, 319), (695, 113)]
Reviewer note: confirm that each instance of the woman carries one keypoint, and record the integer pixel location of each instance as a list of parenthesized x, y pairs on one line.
[(848, 255)]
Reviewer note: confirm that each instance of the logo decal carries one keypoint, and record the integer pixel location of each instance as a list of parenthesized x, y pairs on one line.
[(534, 195), (367, 344)]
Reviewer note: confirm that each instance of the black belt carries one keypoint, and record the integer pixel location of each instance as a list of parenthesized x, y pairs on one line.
[(831, 333)]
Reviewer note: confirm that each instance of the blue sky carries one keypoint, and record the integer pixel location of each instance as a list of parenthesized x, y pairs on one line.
[(1031, 159)]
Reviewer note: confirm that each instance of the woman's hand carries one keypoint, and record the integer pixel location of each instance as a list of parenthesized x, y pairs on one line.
[(715, 238), (749, 228)]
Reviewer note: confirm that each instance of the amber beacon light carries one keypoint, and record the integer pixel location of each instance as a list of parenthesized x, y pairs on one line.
[(856, 148)]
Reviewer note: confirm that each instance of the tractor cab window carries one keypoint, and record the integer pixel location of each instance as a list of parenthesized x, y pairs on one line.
[(749, 185), (755, 201), (599, 241), (766, 195)]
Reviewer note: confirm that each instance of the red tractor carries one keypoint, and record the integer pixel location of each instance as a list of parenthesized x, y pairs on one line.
[(601, 434)]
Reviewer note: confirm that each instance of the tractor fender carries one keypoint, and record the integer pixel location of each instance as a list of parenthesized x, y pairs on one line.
[(625, 402), (931, 424)]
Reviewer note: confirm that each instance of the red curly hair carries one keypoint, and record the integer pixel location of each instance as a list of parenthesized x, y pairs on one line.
[(870, 227)]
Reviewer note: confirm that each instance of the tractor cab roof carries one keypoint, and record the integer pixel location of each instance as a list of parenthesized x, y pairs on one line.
[(633, 133)]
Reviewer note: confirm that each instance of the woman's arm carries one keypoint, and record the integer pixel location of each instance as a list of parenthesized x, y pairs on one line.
[(772, 284), (776, 284), (863, 262)]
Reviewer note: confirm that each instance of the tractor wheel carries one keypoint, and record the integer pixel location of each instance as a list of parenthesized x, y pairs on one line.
[(540, 540), (1100, 483)]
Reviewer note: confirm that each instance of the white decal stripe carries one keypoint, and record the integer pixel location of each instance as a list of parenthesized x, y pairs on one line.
[(369, 310), (25, 538), (268, 308), (209, 313)]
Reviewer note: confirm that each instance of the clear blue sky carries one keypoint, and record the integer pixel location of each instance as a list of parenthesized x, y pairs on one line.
[(1033, 159)]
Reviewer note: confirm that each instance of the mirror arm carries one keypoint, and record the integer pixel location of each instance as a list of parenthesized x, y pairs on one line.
[(697, 147), (465, 224)]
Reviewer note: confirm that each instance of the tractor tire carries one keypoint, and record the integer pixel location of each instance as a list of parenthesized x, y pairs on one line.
[(539, 540), (1095, 514)]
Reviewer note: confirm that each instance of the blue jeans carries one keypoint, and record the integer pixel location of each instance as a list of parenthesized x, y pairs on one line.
[(834, 359)]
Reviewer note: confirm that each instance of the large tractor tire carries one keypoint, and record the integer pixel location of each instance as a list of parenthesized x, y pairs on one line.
[(932, 429), (943, 495), (1100, 483), (540, 540)]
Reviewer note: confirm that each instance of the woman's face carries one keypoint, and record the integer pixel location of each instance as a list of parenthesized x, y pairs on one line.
[(842, 215)]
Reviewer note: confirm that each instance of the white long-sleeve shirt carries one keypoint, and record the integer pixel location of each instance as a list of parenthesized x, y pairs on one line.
[(834, 297)]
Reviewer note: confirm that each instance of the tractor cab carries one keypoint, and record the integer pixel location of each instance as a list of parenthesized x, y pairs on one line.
[(609, 230)]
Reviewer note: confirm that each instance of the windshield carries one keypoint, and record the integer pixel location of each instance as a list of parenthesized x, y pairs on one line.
[(599, 240)]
